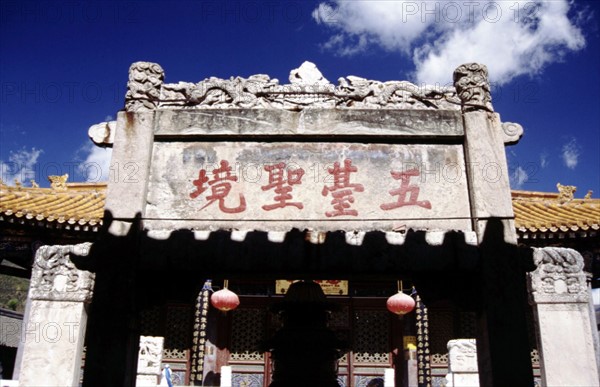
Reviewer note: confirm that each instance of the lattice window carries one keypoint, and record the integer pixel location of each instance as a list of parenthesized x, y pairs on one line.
[(371, 336), (178, 327), (339, 318), (150, 322), (439, 359), (468, 325), (174, 354), (441, 329), (247, 328)]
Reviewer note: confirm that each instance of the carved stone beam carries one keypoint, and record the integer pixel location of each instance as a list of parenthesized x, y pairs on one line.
[(143, 88), (473, 87)]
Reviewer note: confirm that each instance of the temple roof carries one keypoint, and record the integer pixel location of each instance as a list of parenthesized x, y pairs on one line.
[(80, 206), (75, 206), (549, 213)]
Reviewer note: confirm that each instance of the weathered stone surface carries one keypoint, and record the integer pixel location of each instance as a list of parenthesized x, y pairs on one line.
[(512, 132), (559, 277), (560, 298), (473, 87), (149, 361), (488, 170), (378, 187), (150, 355), (103, 134), (130, 164), (143, 88), (462, 355), (53, 344), (462, 363), (307, 74), (54, 276), (324, 122), (308, 89)]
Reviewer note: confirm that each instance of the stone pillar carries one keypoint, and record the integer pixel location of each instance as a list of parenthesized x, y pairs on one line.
[(503, 350), (559, 296), (113, 342), (462, 363), (54, 333), (149, 361)]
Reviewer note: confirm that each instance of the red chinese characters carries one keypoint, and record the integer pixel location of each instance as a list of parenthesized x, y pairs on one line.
[(220, 186), (341, 190), (282, 180), (406, 189)]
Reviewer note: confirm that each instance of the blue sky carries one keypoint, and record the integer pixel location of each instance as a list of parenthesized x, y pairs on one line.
[(63, 68)]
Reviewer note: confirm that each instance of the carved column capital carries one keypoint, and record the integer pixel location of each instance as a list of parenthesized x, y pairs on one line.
[(559, 277), (143, 87), (473, 87), (56, 278)]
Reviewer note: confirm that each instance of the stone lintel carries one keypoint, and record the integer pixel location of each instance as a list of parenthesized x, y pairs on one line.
[(309, 123)]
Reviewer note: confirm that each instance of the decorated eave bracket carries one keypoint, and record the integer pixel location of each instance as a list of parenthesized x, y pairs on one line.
[(308, 89)]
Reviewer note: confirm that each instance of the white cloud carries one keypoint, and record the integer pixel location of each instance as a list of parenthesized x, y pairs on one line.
[(20, 166), (96, 165), (518, 178), (570, 153), (544, 160), (511, 38)]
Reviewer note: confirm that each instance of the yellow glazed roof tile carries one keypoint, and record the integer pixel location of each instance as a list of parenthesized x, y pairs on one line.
[(542, 211), (78, 203), (83, 204)]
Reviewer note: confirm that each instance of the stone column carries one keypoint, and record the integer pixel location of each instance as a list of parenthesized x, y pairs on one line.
[(54, 333), (462, 363), (559, 296), (503, 352), (149, 361)]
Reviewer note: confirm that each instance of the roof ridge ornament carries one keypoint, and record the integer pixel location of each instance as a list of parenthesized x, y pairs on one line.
[(565, 192), (58, 183)]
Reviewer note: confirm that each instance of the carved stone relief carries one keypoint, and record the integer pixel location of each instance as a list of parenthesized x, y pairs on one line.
[(308, 89), (56, 278), (150, 355), (103, 134), (143, 88), (462, 355), (512, 132), (473, 87), (559, 277)]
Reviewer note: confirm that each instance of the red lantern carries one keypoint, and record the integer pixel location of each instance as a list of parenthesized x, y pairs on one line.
[(224, 300), (400, 304)]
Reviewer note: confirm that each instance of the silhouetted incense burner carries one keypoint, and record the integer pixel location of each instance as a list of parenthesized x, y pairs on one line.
[(304, 351)]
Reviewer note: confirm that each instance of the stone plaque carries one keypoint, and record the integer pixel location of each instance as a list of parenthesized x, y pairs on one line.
[(320, 186)]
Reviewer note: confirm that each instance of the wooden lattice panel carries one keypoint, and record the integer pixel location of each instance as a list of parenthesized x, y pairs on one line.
[(247, 329), (371, 337)]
